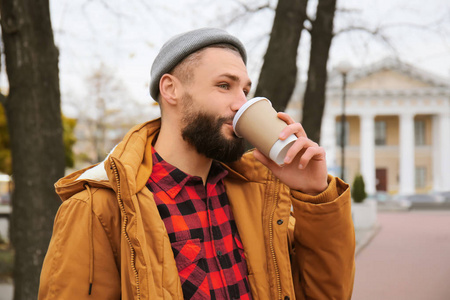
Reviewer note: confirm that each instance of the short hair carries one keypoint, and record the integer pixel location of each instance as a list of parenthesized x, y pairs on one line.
[(184, 70)]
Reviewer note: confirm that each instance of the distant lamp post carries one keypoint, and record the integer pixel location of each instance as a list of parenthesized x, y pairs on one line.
[(344, 68)]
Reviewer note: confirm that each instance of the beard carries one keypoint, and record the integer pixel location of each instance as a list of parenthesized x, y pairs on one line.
[(204, 132)]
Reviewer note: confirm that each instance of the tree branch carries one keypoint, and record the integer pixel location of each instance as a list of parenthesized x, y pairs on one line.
[(246, 10), (357, 28), (377, 32), (105, 4)]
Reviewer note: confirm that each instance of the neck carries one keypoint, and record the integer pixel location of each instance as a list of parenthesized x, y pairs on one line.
[(177, 152)]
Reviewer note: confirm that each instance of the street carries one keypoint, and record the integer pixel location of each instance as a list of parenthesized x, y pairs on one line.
[(409, 258)]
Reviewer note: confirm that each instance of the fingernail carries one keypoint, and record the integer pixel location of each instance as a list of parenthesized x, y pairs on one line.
[(300, 166), (287, 159), (282, 135)]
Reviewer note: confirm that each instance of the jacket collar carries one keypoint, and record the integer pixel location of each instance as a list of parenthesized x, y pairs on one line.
[(133, 159)]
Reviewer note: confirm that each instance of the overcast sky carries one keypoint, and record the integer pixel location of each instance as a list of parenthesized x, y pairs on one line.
[(125, 35)]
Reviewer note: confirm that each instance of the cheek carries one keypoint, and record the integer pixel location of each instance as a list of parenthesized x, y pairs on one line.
[(214, 108), (213, 103)]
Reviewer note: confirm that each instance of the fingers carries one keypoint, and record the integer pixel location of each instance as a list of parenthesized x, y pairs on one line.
[(302, 151), (316, 153), (292, 128), (300, 143), (306, 150), (285, 117)]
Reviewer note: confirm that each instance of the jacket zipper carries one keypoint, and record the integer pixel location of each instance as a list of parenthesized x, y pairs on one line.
[(272, 248), (124, 225)]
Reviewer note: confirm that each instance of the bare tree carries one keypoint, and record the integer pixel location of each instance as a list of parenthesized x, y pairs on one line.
[(104, 114), (278, 75), (103, 88), (34, 117), (314, 98)]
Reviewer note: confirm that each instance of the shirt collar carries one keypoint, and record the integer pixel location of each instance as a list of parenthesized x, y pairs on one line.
[(172, 180)]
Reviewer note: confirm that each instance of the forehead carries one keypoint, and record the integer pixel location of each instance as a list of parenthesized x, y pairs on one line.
[(215, 61), (221, 58)]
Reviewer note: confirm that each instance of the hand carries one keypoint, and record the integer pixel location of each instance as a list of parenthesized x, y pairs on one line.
[(304, 167)]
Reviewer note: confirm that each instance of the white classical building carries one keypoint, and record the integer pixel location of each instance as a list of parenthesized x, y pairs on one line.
[(397, 128)]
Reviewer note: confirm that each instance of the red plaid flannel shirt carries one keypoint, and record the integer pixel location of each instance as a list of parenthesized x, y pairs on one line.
[(205, 241)]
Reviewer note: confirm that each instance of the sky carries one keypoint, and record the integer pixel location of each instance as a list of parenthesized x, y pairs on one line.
[(124, 36)]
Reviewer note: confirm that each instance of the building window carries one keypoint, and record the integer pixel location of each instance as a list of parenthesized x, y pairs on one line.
[(419, 132), (380, 133), (421, 177), (338, 133)]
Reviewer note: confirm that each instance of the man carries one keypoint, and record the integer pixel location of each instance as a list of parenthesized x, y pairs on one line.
[(176, 211)]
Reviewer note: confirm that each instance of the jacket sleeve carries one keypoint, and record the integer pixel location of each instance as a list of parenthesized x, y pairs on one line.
[(70, 259), (323, 263)]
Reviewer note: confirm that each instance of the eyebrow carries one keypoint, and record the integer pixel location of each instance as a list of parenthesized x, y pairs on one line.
[(235, 78)]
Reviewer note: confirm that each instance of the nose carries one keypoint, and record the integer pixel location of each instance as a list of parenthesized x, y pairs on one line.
[(238, 101)]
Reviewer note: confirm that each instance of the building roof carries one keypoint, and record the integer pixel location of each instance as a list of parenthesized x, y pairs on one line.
[(388, 64)]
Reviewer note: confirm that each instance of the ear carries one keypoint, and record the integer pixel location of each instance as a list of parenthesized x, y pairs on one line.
[(169, 87)]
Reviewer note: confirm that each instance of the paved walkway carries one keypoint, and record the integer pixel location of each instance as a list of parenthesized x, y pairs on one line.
[(409, 258)]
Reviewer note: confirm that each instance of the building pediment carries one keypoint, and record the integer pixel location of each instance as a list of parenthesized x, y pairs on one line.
[(387, 79), (388, 74)]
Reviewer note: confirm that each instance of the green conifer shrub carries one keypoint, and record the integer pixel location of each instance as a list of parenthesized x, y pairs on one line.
[(358, 189)]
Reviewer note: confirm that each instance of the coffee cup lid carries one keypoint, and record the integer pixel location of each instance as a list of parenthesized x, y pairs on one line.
[(280, 148), (244, 108)]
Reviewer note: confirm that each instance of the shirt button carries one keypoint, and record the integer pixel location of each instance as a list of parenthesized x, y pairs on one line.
[(279, 222), (219, 253), (286, 298)]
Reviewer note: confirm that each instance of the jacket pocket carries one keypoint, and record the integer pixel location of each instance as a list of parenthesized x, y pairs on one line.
[(192, 268)]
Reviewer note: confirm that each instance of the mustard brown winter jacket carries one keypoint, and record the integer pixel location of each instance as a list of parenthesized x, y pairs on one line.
[(110, 242)]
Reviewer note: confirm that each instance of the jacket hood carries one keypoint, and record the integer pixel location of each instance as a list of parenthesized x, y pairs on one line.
[(74, 183), (133, 164), (135, 167)]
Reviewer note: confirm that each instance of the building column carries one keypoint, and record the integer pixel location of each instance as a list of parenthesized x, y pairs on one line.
[(441, 150), (328, 142), (407, 162), (436, 145), (367, 152)]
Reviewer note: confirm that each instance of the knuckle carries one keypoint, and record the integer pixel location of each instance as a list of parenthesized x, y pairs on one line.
[(304, 140)]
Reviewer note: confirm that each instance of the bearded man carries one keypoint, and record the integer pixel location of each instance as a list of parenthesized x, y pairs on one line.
[(178, 211)]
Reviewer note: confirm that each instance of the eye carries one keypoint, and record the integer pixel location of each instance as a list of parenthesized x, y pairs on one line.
[(246, 93), (224, 86)]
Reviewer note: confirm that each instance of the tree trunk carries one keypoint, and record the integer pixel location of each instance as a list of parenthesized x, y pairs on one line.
[(34, 118), (314, 99), (279, 71)]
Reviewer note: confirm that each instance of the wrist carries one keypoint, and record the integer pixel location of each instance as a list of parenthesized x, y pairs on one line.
[(316, 190)]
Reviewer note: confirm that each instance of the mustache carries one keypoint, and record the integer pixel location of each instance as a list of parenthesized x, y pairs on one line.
[(226, 119)]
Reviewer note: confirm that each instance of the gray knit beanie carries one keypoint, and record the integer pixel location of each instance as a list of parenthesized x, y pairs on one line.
[(182, 45)]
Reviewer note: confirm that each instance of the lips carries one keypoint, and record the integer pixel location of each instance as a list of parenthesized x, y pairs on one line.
[(228, 121)]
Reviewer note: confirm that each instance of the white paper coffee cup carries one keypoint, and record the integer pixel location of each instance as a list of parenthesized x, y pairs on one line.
[(258, 123)]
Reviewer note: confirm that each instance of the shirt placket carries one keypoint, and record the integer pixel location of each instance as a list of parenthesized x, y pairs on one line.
[(218, 245)]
